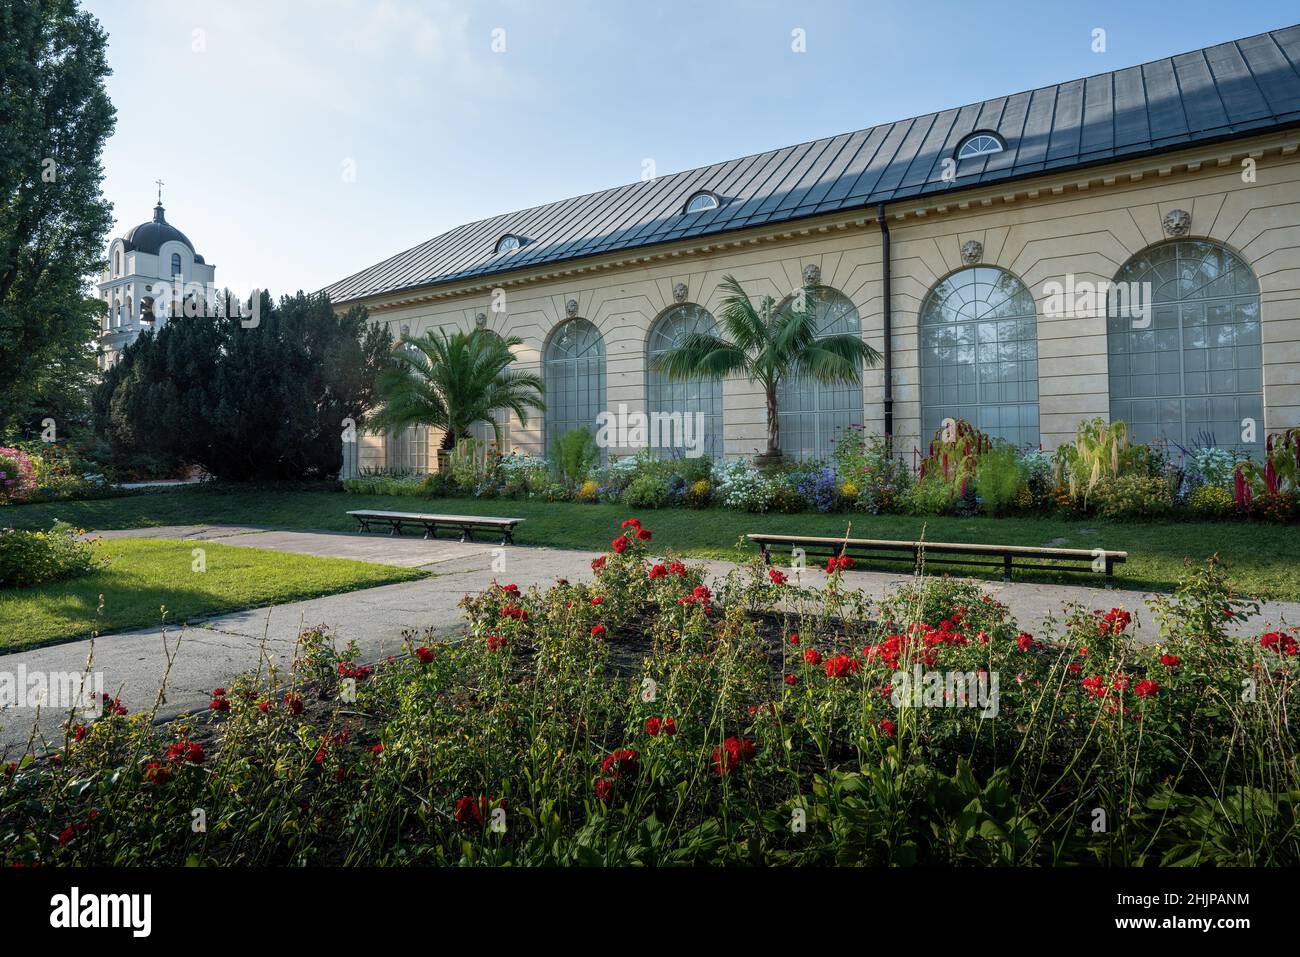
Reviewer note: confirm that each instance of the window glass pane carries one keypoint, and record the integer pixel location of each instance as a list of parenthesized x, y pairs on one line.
[(1201, 357), (990, 378), (574, 370), (812, 414), (672, 402)]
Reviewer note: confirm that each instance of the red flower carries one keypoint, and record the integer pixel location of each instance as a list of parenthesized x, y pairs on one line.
[(812, 656), (630, 523), (1280, 642), (186, 752), (114, 706), (702, 593), (155, 772), (794, 637), (677, 568), (219, 704), (598, 564), (512, 611), (620, 544), (604, 790), (66, 835), (652, 726), (424, 654), (597, 600), (621, 763), (732, 752), (378, 749), (1114, 621), (657, 571), (670, 727), (644, 534), (1025, 641), (598, 631), (1169, 661), (1095, 686), (888, 728), (1145, 688), (1074, 668), (78, 732), (496, 642), (777, 576), (294, 702), (470, 810), (840, 666), (792, 680)]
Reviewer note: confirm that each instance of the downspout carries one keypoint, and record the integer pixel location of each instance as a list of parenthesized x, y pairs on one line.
[(887, 295)]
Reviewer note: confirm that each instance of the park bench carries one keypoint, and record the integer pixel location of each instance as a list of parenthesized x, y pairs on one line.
[(1006, 557), (468, 524)]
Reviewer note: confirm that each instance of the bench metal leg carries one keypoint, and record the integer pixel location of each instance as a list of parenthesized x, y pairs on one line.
[(508, 536), (1006, 568), (1110, 573), (394, 528), (466, 535), (430, 530), (766, 553)]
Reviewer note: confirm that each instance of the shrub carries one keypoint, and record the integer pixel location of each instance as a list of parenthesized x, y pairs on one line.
[(998, 478), (589, 492), (739, 485), (819, 487), (699, 493), (646, 491), (1211, 501), (38, 558), (383, 484), (17, 476), (1134, 497), (575, 456), (878, 480)]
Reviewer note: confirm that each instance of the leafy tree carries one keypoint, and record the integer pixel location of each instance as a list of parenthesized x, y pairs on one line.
[(767, 346), (54, 120), (263, 402), (452, 382)]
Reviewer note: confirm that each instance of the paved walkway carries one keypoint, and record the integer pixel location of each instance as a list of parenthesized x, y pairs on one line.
[(214, 650)]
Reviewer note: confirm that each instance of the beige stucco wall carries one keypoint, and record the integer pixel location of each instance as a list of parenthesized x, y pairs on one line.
[(1087, 223)]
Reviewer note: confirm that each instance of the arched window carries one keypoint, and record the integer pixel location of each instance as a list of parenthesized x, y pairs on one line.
[(130, 310), (683, 397), (979, 355), (812, 414), (117, 263), (574, 371), (1189, 370), (701, 201), (980, 144), (176, 264), (508, 244)]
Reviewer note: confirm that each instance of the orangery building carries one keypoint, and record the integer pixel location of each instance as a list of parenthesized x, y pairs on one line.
[(1126, 245)]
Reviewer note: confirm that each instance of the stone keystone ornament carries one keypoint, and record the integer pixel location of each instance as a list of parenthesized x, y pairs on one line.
[(571, 307), (1177, 222), (972, 251), (812, 275), (680, 291), (481, 320)]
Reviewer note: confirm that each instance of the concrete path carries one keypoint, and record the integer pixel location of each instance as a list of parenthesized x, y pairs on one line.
[(213, 651)]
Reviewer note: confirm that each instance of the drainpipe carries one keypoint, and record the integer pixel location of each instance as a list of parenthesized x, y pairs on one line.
[(887, 294)]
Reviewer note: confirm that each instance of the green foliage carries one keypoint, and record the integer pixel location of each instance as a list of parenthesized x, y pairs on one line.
[(1096, 455), (1133, 496), (455, 381), (646, 491), (1211, 501), (380, 484), (266, 402), (998, 477), (53, 218), (38, 558), (575, 456), (880, 480)]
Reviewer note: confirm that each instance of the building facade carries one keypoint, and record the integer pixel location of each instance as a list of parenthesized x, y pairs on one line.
[(148, 257), (1125, 246)]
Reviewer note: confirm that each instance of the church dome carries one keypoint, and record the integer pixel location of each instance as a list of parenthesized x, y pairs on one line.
[(149, 237)]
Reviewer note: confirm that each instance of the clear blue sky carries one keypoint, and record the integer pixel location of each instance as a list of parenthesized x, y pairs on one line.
[(251, 132)]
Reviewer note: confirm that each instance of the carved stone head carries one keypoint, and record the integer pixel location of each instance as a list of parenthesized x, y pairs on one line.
[(481, 320), (812, 275), (1177, 222), (972, 251), (680, 292), (571, 308)]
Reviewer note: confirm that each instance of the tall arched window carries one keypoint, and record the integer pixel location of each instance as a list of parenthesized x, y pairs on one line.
[(117, 263), (979, 355), (1190, 371), (683, 397), (574, 371), (176, 264), (812, 414)]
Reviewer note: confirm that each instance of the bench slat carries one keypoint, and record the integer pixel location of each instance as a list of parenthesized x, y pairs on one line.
[(430, 517), (971, 548)]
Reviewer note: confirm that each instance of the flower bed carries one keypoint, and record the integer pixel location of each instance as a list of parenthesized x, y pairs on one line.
[(963, 472), (649, 717)]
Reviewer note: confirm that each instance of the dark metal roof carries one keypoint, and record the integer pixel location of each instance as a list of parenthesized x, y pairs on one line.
[(1222, 91), (149, 237)]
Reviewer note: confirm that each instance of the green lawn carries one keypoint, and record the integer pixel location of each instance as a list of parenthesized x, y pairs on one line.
[(143, 575), (1264, 560)]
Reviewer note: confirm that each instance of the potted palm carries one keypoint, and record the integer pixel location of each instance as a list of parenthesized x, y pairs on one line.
[(768, 345), (453, 382)]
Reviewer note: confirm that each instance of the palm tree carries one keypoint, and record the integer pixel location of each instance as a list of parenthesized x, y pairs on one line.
[(767, 346), (453, 382)]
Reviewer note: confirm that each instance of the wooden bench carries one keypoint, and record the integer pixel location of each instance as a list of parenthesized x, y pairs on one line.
[(916, 553), (468, 524)]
